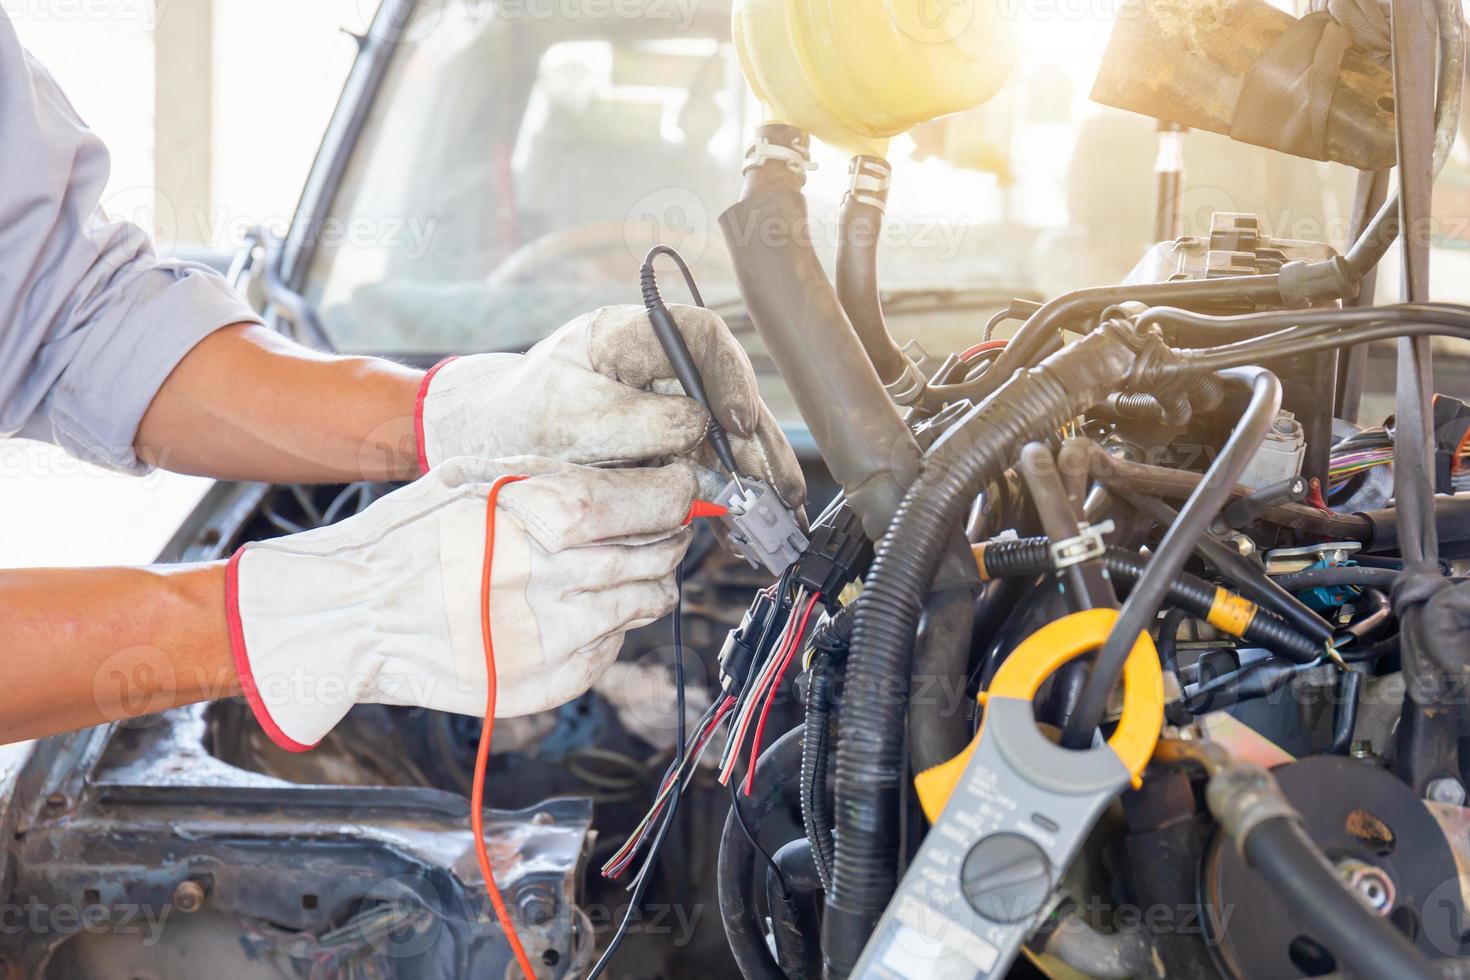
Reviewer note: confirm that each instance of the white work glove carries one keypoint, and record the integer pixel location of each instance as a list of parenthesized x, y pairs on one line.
[(600, 390), (384, 607)]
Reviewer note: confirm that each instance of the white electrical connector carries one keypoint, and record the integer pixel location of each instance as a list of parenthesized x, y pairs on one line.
[(761, 526)]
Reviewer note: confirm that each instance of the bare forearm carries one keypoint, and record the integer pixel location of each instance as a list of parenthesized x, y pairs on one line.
[(248, 404), (84, 646)]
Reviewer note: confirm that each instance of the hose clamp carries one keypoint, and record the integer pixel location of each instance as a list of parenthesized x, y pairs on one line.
[(1086, 546), (763, 151), (907, 387), (871, 180)]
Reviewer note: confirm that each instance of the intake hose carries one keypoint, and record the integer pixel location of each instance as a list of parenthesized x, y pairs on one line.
[(870, 757), (1032, 556), (865, 442), (860, 228), (794, 308)]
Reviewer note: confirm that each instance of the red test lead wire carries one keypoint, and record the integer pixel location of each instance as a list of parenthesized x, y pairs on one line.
[(482, 758), (699, 509)]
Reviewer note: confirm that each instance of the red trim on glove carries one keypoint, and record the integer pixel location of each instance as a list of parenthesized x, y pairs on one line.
[(418, 413), (242, 662)]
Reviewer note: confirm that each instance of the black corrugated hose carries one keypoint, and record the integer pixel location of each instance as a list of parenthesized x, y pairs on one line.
[(1032, 556), (870, 759), (830, 642)]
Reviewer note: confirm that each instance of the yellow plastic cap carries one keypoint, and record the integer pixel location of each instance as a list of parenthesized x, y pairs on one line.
[(855, 73)]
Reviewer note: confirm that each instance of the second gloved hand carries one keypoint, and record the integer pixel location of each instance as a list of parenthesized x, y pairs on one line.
[(601, 390), (384, 607)]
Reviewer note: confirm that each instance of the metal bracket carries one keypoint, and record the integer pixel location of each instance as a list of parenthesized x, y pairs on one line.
[(1086, 546)]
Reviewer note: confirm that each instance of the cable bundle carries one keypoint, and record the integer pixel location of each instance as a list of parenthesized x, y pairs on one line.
[(761, 694)]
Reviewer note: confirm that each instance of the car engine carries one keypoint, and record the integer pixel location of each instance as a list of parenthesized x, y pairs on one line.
[(1115, 648)]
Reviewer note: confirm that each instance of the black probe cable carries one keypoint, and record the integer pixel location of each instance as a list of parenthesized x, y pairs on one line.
[(676, 349), (640, 883), (1142, 606)]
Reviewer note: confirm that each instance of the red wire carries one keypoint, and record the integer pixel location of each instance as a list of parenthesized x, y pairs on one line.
[(482, 758), (984, 347), (760, 728)]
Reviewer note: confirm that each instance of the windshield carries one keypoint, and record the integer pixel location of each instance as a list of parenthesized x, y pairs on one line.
[(516, 170), (520, 160)]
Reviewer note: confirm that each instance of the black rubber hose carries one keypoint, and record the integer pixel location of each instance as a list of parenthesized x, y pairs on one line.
[(870, 757), (1324, 907), (1189, 593), (863, 439), (793, 914), (857, 428), (1259, 680), (1074, 309), (744, 930), (1337, 577), (1142, 606), (860, 229), (1345, 720), (1249, 580), (1374, 619), (939, 732), (1451, 516), (816, 808), (1169, 638), (1368, 250)]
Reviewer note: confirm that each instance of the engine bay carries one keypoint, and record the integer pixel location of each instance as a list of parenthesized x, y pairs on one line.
[(1120, 642)]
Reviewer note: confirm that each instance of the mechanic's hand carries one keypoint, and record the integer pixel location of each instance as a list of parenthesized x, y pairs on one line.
[(384, 607), (600, 390)]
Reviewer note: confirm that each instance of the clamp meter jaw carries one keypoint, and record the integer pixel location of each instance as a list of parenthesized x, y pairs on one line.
[(1010, 814)]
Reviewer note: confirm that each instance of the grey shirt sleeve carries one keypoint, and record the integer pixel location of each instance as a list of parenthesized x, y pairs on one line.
[(91, 320)]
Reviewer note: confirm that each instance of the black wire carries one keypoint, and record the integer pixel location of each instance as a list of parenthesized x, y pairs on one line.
[(1141, 608), (1309, 331), (672, 253), (1169, 638), (750, 836), (640, 885), (1338, 576), (781, 586)]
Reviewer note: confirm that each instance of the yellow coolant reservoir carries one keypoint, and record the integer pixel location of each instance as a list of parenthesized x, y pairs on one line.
[(854, 73)]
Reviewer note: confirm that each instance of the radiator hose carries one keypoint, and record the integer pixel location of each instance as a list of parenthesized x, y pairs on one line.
[(870, 747)]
